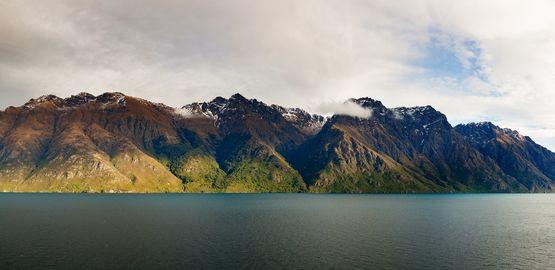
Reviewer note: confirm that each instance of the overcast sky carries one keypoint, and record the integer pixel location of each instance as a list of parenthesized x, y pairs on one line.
[(472, 60)]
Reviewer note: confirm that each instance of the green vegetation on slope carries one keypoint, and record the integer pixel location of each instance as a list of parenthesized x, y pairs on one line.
[(253, 166)]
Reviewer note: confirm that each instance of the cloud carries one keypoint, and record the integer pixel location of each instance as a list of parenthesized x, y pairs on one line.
[(294, 53), (344, 108)]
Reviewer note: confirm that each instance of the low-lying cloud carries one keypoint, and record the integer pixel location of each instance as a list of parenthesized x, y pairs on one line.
[(348, 107)]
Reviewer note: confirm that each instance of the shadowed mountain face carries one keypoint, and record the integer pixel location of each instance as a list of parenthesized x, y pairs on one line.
[(517, 155), (401, 150), (114, 142)]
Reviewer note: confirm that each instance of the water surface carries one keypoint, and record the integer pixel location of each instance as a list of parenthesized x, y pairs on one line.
[(276, 231)]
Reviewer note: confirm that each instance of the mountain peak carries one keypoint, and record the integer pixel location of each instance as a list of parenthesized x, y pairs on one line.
[(52, 101), (423, 116), (111, 94), (484, 124), (112, 97), (480, 126), (219, 99), (42, 100), (230, 112), (414, 111), (367, 102), (79, 99), (84, 94), (238, 96), (482, 132)]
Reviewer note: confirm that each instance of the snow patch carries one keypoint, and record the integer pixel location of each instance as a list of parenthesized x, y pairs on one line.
[(183, 112), (429, 124)]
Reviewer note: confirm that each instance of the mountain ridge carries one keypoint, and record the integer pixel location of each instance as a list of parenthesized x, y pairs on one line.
[(117, 143)]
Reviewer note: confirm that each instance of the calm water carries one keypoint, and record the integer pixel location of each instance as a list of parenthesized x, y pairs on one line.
[(275, 231)]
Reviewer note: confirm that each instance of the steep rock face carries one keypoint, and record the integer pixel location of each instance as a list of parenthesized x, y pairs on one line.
[(420, 141), (279, 127), (451, 158), (23, 144), (337, 160), (309, 124), (519, 156), (254, 138), (86, 143)]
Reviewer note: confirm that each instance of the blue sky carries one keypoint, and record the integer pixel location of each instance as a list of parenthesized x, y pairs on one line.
[(441, 59)]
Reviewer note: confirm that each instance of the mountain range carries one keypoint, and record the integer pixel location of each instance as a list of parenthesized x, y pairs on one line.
[(118, 143)]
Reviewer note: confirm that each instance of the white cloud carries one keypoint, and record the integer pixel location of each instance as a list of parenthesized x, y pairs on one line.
[(294, 53), (344, 108)]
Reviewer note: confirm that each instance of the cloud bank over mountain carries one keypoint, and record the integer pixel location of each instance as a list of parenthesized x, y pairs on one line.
[(473, 60), (348, 107)]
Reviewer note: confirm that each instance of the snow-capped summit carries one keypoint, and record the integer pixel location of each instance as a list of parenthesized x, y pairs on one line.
[(237, 107)]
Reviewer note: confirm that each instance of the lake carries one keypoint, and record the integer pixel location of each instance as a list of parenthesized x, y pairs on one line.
[(277, 231)]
